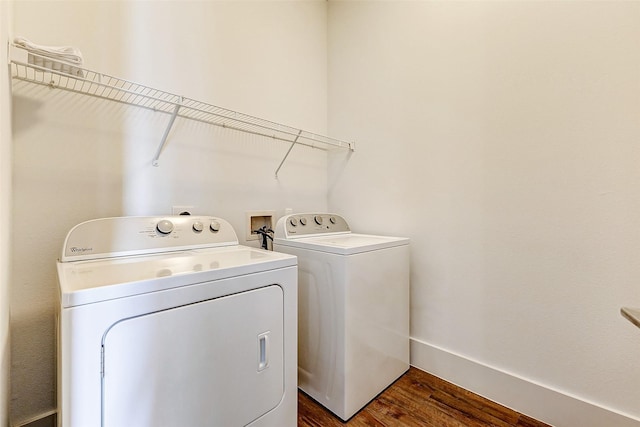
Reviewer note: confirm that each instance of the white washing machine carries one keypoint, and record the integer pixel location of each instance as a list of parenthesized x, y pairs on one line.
[(353, 309), (167, 321)]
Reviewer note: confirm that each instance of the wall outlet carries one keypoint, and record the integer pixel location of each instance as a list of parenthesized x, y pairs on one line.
[(256, 220), (181, 210)]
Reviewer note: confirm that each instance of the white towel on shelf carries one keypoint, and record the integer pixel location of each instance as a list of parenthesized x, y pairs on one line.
[(66, 59)]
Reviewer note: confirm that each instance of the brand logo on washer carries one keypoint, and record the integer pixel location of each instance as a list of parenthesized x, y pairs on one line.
[(76, 249)]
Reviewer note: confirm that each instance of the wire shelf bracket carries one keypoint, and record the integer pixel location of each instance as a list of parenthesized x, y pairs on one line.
[(287, 153), (165, 135), (58, 75)]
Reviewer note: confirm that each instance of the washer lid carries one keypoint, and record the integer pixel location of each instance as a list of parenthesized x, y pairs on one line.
[(344, 244), (86, 282)]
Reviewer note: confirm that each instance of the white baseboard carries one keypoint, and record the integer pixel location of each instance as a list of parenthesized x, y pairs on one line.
[(540, 402)]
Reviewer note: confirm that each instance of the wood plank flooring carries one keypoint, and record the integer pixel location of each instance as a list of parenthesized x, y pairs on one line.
[(418, 399)]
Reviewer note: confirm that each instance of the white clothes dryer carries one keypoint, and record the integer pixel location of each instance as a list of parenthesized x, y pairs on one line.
[(167, 321), (353, 309)]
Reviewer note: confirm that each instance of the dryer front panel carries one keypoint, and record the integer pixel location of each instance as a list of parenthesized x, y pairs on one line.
[(219, 362)]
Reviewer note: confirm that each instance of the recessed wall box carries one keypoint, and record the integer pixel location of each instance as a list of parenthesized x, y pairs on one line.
[(256, 220), (181, 210)]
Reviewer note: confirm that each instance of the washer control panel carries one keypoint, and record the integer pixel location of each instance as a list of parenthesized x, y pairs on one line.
[(121, 236), (308, 224)]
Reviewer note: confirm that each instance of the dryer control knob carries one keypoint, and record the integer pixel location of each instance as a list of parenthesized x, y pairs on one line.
[(165, 226), (197, 226), (332, 219), (318, 219), (303, 221), (215, 226), (293, 222)]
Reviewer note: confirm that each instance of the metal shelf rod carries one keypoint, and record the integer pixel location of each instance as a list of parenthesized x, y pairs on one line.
[(126, 92)]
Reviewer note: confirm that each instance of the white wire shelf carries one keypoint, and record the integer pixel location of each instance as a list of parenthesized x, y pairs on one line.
[(92, 83)]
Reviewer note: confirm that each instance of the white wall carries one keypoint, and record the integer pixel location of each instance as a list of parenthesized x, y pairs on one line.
[(502, 137), (5, 213), (77, 158)]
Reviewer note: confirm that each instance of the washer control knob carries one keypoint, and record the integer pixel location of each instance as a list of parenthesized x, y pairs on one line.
[(197, 226), (318, 219), (332, 219), (215, 226), (165, 226), (293, 222), (303, 221)]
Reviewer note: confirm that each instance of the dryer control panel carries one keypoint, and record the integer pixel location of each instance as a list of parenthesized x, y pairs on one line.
[(309, 224), (124, 236)]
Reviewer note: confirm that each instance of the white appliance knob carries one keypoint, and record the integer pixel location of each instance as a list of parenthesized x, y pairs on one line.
[(318, 219), (332, 219), (165, 226), (303, 221), (293, 222), (197, 226), (215, 226)]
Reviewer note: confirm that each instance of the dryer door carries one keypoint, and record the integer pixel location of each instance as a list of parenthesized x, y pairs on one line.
[(215, 363)]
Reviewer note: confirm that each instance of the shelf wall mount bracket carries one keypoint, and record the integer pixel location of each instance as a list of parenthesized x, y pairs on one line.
[(287, 154), (166, 132)]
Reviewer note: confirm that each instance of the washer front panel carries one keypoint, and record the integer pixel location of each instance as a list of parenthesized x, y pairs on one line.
[(353, 324)]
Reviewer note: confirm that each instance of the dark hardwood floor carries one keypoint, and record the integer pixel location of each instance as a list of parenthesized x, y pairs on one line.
[(418, 399)]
